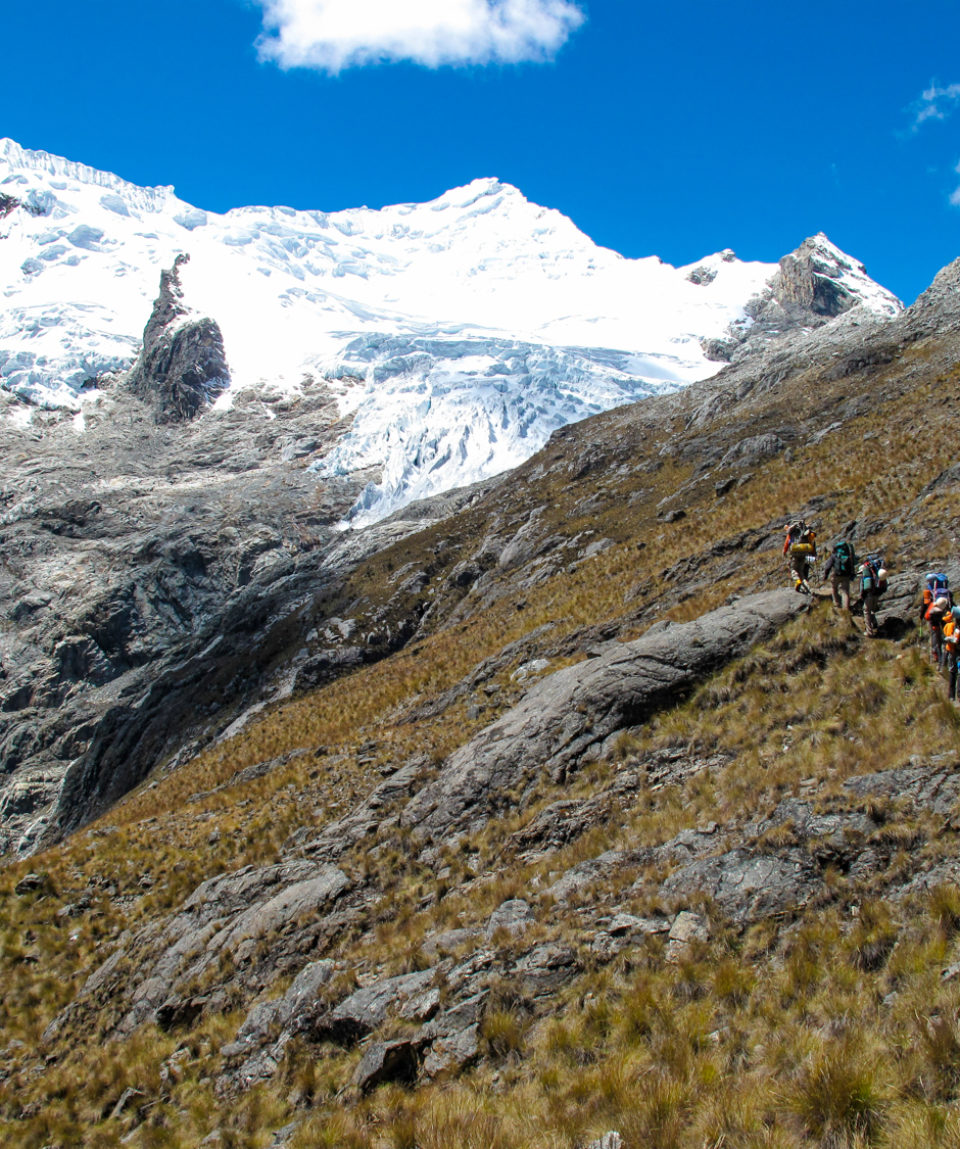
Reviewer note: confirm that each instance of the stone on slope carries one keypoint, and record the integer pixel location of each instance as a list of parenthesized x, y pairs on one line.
[(388, 1061), (514, 916), (364, 1010), (266, 1016), (747, 886), (451, 1054), (572, 712), (227, 915)]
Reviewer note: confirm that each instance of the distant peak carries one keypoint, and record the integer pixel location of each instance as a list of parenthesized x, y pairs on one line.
[(475, 191), (820, 277)]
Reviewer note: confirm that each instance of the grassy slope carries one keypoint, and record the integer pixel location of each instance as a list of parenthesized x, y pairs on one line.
[(786, 1035)]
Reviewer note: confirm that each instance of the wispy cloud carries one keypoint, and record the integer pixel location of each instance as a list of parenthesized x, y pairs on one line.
[(936, 103), (331, 35), (955, 195)]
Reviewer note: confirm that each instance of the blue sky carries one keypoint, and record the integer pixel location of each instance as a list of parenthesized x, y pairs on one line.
[(673, 130)]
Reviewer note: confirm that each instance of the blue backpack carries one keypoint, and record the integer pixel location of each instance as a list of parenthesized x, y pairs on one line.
[(869, 573), (844, 559)]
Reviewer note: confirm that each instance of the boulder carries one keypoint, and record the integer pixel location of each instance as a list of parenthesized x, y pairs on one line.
[(514, 916), (688, 929), (448, 1055), (611, 1140), (388, 1061), (931, 784), (545, 969), (365, 1009), (584, 873), (447, 941), (747, 886), (29, 884), (267, 1016)]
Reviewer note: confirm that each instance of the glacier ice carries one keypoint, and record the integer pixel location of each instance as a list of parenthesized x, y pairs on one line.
[(457, 334)]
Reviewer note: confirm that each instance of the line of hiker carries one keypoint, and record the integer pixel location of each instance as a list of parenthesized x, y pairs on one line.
[(842, 566), (937, 608), (943, 620)]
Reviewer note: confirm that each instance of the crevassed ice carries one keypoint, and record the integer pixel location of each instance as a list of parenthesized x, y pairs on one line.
[(462, 331)]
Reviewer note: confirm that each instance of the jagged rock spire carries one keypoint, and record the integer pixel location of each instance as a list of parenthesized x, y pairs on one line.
[(182, 366)]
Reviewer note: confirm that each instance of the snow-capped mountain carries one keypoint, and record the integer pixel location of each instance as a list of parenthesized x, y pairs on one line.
[(458, 333)]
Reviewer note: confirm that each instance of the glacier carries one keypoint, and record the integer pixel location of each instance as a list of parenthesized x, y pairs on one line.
[(457, 334)]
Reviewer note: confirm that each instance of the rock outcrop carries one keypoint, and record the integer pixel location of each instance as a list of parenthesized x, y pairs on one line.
[(814, 284), (810, 279), (182, 366), (574, 711)]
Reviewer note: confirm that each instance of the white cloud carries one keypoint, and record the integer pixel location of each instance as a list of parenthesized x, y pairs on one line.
[(331, 35), (936, 103)]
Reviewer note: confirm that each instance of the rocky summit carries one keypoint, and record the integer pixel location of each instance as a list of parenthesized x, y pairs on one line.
[(541, 813)]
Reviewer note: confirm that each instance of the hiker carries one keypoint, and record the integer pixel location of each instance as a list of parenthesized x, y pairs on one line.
[(951, 642), (800, 545), (840, 567), (936, 603), (873, 582)]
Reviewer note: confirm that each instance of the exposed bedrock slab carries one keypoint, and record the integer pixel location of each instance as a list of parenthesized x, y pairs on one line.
[(572, 712)]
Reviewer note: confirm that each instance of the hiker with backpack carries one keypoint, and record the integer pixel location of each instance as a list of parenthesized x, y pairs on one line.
[(873, 582), (935, 606), (951, 642), (800, 545), (840, 568)]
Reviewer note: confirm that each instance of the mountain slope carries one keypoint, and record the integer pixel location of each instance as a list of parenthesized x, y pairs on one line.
[(733, 921)]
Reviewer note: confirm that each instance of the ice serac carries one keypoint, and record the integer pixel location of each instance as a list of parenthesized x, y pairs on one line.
[(181, 367)]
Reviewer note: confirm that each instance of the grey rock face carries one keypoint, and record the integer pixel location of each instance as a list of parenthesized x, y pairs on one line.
[(584, 873), (365, 1009), (182, 366), (226, 915), (807, 291), (454, 1053), (611, 1140), (688, 929), (387, 1061), (573, 711), (513, 916), (702, 275), (448, 940), (747, 886), (753, 450), (545, 969), (932, 785), (810, 280)]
